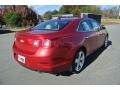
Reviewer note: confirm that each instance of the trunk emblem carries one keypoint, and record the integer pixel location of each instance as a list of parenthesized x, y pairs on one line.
[(22, 41)]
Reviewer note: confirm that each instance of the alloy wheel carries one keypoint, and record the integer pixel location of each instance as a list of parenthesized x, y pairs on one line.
[(79, 61)]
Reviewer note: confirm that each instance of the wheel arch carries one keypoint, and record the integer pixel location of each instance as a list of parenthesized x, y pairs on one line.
[(82, 48), (107, 35)]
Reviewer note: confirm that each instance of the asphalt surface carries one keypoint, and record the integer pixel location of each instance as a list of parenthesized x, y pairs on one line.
[(103, 67)]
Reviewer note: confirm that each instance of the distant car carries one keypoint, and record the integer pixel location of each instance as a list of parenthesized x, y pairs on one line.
[(59, 45)]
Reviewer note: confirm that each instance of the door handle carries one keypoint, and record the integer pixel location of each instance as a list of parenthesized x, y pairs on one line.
[(101, 34), (86, 37)]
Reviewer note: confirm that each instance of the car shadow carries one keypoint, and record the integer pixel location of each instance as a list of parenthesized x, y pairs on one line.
[(5, 31), (89, 60)]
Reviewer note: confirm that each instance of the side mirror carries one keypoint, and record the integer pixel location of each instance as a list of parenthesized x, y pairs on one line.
[(102, 27)]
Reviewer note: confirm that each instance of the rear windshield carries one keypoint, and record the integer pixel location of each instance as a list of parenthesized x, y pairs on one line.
[(51, 25)]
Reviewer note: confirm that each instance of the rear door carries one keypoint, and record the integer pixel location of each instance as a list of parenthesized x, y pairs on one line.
[(86, 29), (100, 33)]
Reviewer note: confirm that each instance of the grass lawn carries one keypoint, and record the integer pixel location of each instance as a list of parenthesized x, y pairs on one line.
[(110, 21)]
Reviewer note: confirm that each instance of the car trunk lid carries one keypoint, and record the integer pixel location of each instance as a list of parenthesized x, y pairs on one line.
[(24, 40)]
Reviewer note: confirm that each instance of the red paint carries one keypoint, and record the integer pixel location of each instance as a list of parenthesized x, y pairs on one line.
[(62, 46)]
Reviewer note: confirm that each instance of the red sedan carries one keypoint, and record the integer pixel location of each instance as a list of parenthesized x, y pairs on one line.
[(59, 45)]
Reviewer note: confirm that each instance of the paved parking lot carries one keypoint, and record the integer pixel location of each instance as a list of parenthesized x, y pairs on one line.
[(103, 66)]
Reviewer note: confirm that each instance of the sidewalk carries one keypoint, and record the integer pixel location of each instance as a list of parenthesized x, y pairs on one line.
[(17, 29), (11, 30)]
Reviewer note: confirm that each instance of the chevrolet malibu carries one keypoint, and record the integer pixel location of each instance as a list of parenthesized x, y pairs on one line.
[(59, 45)]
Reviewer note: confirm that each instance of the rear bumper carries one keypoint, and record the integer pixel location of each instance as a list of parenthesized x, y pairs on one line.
[(43, 63)]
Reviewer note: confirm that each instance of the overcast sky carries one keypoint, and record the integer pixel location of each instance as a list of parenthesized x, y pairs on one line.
[(41, 9)]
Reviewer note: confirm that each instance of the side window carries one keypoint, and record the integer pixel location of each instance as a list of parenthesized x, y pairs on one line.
[(95, 25), (84, 26)]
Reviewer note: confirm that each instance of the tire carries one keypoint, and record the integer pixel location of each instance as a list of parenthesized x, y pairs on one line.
[(78, 61), (105, 42)]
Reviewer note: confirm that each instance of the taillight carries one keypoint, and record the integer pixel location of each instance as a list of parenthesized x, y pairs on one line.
[(15, 39), (36, 43), (46, 43)]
